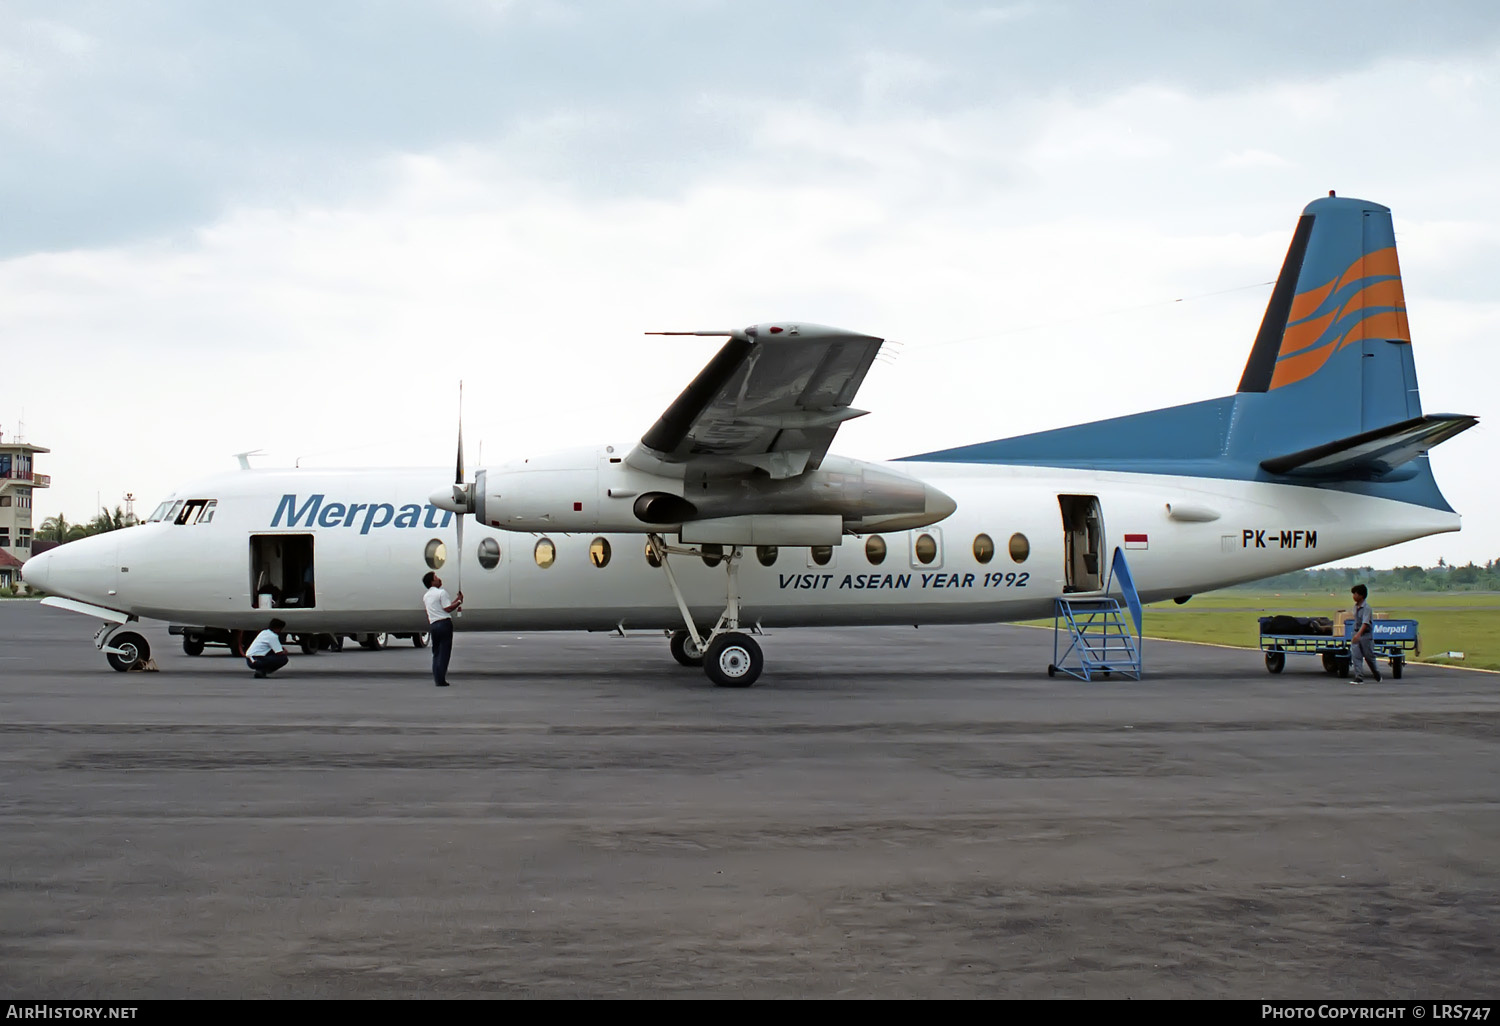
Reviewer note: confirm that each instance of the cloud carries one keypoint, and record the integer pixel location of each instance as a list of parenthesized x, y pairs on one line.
[(318, 287)]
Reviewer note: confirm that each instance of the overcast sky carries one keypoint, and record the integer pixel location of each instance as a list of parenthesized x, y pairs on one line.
[(294, 227)]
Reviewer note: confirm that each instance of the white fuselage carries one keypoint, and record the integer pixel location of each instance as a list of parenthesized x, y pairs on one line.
[(370, 532)]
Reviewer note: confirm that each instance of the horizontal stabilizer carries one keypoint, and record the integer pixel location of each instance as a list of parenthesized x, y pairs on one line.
[(1372, 453)]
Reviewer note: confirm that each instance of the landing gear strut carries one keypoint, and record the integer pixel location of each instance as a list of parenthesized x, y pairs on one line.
[(730, 658)]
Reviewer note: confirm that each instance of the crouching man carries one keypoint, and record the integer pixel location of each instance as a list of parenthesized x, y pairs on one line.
[(265, 654)]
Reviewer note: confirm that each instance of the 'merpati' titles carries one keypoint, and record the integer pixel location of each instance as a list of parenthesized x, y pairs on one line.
[(368, 515)]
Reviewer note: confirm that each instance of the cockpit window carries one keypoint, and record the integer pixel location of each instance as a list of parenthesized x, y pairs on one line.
[(194, 511), (160, 512), (173, 513)]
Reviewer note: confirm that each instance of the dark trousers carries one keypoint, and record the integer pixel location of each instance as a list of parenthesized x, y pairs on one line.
[(268, 663), (441, 635)]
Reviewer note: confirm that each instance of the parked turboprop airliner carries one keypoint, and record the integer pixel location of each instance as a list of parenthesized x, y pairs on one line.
[(729, 514)]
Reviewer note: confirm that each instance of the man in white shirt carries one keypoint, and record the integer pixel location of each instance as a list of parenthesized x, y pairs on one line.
[(440, 609), (266, 654)]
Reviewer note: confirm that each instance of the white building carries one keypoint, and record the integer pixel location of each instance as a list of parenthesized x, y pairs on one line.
[(18, 479)]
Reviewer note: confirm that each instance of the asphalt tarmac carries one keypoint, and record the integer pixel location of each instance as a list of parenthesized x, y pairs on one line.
[(888, 813)]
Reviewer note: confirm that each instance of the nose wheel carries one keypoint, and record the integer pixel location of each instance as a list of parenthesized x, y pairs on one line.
[(125, 649)]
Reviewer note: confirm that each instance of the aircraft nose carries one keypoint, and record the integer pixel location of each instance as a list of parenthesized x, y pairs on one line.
[(82, 569), (35, 571)]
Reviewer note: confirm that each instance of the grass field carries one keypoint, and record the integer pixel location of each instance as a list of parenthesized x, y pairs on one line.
[(1467, 622)]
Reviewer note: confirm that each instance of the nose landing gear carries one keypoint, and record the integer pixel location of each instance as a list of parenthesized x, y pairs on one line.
[(122, 648)]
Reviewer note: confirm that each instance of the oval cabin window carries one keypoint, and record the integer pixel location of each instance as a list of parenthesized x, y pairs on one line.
[(766, 554), (599, 552), (436, 554), (821, 554), (875, 550), (545, 553), (489, 553), (926, 549), (984, 548), (1020, 548)]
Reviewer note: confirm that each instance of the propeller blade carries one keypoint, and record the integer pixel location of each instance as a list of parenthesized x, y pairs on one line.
[(458, 565), (461, 499), (458, 472)]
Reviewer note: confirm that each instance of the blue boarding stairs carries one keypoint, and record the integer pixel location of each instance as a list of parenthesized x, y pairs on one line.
[(1099, 640)]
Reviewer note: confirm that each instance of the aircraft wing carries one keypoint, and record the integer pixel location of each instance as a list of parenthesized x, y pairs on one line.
[(772, 399)]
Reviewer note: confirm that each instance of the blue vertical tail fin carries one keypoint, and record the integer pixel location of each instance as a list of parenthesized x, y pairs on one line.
[(1330, 388), (1328, 395)]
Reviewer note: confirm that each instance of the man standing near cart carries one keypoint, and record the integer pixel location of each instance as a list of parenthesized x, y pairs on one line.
[(1362, 643)]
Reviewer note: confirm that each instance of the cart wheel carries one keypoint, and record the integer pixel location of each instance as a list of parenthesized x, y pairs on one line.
[(1343, 665), (1330, 664), (1396, 666), (1275, 661), (1051, 670)]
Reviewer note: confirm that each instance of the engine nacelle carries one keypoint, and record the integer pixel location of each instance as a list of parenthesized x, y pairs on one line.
[(595, 490)]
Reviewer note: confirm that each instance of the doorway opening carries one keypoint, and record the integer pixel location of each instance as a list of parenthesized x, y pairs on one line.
[(281, 571), (1083, 541)]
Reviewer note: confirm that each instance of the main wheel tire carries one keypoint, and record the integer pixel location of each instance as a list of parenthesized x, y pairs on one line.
[(310, 644), (733, 660), (192, 644), (1397, 665), (419, 640), (134, 649), (683, 649), (373, 642), (1275, 661), (331, 642)]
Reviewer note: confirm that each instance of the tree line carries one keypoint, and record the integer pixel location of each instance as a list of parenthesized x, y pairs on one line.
[(58, 528), (1443, 577)]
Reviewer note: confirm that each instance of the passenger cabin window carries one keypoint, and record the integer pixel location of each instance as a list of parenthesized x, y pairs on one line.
[(599, 553), (925, 549), (713, 554), (984, 548), (766, 554), (875, 549), (1020, 548), (545, 553), (489, 553), (651, 557), (821, 555)]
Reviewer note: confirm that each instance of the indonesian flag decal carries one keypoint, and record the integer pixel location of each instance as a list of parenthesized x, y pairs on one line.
[(1136, 541)]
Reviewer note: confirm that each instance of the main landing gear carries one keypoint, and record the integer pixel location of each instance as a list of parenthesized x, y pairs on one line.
[(730, 657)]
